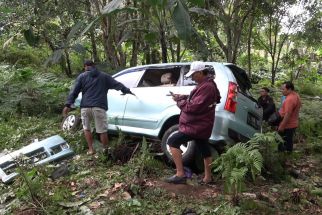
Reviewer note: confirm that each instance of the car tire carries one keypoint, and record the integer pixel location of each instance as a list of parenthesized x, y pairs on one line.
[(188, 150), (71, 122)]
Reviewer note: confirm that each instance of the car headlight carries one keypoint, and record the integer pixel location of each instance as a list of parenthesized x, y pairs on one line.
[(64, 146)]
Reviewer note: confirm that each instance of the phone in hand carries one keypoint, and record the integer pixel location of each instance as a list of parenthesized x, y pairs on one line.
[(170, 94)]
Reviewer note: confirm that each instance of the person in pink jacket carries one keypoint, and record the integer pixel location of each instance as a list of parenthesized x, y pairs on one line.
[(196, 120)]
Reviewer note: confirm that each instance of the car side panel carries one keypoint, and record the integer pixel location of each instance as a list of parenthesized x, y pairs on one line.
[(145, 109)]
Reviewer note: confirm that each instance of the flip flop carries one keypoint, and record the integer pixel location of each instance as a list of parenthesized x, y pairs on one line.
[(90, 153), (176, 180), (201, 182)]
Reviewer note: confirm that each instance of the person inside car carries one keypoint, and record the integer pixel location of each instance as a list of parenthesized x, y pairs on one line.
[(196, 121), (167, 80)]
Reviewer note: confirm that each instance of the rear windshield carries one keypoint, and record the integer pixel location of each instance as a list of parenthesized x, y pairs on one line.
[(241, 77)]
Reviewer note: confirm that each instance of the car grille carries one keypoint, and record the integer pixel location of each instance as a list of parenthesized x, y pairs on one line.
[(29, 158), (8, 167), (37, 155)]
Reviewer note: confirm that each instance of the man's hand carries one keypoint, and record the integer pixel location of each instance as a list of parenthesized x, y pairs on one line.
[(127, 91), (65, 111), (175, 97)]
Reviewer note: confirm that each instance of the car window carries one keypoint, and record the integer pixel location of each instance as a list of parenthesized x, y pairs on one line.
[(187, 81), (160, 76), (130, 78), (242, 78)]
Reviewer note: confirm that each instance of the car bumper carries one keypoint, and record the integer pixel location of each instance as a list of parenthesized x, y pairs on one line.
[(50, 150)]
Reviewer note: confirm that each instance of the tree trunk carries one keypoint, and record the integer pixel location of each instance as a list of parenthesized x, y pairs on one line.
[(91, 34), (249, 41), (178, 51), (164, 50), (68, 68)]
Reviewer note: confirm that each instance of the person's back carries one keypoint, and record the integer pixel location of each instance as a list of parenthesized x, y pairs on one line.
[(94, 86)]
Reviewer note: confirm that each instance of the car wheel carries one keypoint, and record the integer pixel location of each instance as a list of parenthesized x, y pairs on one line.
[(71, 123), (188, 149)]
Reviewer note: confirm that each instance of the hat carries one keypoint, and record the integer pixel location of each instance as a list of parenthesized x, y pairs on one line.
[(89, 63), (196, 66)]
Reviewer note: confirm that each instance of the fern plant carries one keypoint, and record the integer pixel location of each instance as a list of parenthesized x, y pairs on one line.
[(234, 165)]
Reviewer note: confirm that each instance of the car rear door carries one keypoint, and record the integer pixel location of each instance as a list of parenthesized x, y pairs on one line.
[(248, 111)]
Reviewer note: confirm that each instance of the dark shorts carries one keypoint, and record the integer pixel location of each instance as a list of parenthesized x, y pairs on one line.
[(177, 139), (287, 136)]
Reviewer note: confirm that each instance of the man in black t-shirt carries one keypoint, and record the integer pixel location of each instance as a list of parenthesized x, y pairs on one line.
[(266, 102)]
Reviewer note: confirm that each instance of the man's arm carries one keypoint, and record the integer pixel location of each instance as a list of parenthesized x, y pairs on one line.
[(72, 96), (114, 84), (200, 103), (284, 122)]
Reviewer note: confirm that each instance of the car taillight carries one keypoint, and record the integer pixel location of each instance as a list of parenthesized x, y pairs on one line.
[(231, 100)]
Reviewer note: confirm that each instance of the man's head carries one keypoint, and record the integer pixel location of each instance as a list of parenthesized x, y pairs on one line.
[(264, 91), (287, 88), (88, 64), (198, 71)]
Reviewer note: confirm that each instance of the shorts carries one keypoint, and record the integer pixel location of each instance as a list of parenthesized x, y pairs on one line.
[(99, 116), (177, 139)]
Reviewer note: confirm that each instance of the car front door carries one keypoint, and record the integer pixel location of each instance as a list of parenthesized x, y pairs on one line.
[(152, 101), (117, 100)]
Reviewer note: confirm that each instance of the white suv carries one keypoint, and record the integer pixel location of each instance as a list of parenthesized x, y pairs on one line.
[(153, 113)]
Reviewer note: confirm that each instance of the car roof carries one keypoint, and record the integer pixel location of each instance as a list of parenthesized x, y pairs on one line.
[(132, 69)]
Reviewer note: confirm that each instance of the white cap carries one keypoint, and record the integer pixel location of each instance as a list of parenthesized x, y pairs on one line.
[(196, 66)]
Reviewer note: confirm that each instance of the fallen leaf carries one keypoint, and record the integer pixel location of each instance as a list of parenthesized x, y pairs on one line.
[(105, 194), (95, 205), (85, 210), (250, 195), (73, 204), (126, 195)]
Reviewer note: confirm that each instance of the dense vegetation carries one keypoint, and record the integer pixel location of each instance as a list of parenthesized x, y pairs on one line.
[(44, 44)]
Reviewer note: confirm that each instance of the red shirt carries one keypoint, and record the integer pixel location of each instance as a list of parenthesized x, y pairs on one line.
[(291, 105)]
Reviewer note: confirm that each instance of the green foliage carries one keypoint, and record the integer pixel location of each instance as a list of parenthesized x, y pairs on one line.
[(273, 160), (234, 164), (22, 55), (308, 87), (19, 131), (27, 91), (310, 126), (144, 164)]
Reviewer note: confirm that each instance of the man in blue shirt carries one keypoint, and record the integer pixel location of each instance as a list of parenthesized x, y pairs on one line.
[(94, 86)]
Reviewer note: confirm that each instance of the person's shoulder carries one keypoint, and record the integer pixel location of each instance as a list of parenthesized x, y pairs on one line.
[(104, 74), (82, 75)]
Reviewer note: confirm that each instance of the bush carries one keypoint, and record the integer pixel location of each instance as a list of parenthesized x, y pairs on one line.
[(27, 91), (309, 88), (22, 55)]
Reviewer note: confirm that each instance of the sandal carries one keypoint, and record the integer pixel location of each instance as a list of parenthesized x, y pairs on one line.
[(176, 180), (202, 182), (90, 153)]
